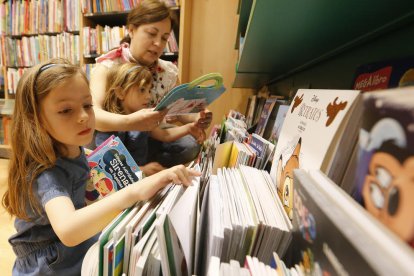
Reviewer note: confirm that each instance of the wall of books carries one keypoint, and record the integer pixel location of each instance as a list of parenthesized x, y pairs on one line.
[(31, 32), (36, 30)]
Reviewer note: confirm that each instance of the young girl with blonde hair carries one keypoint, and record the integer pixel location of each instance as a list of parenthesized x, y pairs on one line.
[(128, 90), (52, 119)]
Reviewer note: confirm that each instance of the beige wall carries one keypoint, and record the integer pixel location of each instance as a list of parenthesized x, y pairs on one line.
[(211, 49)]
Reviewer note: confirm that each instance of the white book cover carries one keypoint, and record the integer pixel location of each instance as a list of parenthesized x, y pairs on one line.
[(311, 135)]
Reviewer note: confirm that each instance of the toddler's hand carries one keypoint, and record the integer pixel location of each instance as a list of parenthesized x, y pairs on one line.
[(198, 133), (205, 119)]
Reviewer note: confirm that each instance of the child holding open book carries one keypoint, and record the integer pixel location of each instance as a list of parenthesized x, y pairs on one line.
[(128, 90), (52, 119)]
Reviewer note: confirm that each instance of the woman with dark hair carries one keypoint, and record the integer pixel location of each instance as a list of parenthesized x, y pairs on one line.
[(149, 27)]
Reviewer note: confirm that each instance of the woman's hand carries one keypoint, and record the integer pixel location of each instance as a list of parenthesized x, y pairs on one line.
[(146, 119), (171, 119), (205, 118), (151, 168)]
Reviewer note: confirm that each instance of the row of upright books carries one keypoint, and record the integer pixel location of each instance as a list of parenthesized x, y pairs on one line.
[(362, 145), (101, 6), (39, 16), (28, 51), (99, 40), (180, 229)]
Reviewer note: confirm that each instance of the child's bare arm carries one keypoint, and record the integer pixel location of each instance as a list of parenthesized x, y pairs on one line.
[(75, 226), (174, 133)]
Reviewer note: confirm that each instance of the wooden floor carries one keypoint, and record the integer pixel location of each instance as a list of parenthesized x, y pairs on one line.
[(6, 226)]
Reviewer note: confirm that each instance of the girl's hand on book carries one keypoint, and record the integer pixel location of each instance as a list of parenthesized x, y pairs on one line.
[(178, 175), (151, 168)]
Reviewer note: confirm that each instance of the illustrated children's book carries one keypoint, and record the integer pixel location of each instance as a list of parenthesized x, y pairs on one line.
[(265, 115), (385, 170), (192, 97), (111, 169), (272, 118), (384, 74), (319, 132), (334, 235), (278, 123)]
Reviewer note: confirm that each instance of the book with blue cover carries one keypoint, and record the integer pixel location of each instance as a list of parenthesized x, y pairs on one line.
[(192, 97), (111, 169)]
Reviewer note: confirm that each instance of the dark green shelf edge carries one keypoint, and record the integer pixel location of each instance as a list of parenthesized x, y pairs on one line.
[(250, 80), (245, 7), (287, 46), (336, 72)]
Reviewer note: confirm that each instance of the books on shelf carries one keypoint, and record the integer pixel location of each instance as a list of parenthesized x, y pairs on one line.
[(334, 235), (270, 125), (34, 17), (319, 132), (192, 97), (384, 74), (242, 215), (265, 115), (104, 6), (111, 169), (150, 237), (384, 172), (276, 124)]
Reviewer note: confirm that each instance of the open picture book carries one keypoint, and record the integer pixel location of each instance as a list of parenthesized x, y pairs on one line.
[(192, 97)]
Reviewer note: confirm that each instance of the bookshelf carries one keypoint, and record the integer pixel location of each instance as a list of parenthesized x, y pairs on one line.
[(23, 38), (31, 32), (287, 46)]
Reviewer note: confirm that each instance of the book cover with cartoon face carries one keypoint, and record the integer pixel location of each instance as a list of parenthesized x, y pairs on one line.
[(384, 182), (310, 136)]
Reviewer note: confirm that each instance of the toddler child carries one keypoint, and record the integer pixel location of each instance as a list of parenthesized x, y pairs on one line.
[(128, 90)]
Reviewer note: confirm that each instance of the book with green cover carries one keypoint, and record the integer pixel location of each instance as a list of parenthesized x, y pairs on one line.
[(192, 97)]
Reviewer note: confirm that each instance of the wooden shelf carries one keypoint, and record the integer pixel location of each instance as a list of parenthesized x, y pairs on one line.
[(284, 38), (5, 151), (37, 34), (6, 107), (108, 18)]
